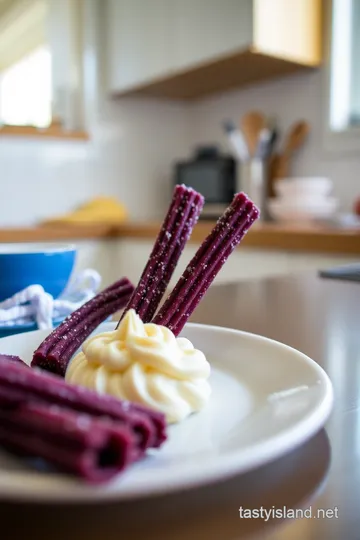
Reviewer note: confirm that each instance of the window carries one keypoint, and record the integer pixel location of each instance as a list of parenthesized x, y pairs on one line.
[(25, 63), (345, 66), (25, 90), (41, 67)]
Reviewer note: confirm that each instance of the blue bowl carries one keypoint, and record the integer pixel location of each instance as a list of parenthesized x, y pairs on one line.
[(49, 265)]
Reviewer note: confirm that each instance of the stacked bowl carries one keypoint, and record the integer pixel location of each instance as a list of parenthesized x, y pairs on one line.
[(302, 199)]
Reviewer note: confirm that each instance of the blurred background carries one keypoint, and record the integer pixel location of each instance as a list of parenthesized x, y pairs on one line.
[(118, 91), (106, 104)]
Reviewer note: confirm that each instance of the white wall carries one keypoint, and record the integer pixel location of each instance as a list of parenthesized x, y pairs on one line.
[(134, 143), (129, 156)]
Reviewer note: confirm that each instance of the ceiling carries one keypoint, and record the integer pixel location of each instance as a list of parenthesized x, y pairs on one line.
[(8, 6), (22, 29), (5, 6)]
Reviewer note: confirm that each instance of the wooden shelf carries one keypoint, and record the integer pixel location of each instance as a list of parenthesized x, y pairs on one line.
[(311, 239), (51, 132), (57, 234), (240, 69), (285, 37)]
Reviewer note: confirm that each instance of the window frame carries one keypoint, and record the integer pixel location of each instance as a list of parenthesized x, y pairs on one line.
[(346, 141)]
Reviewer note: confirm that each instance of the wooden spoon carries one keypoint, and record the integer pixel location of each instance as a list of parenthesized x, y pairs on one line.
[(273, 172), (251, 124), (295, 138)]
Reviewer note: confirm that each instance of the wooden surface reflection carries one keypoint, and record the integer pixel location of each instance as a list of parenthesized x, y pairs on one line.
[(318, 317)]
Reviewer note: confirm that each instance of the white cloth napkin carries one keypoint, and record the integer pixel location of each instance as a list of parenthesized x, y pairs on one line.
[(34, 304)]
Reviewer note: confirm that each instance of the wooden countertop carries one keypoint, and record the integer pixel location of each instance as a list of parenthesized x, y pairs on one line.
[(316, 239), (321, 320)]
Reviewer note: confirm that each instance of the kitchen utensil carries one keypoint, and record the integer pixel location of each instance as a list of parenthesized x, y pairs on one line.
[(296, 136), (263, 143), (273, 139), (267, 139), (266, 142), (237, 140), (294, 140), (252, 124), (273, 168)]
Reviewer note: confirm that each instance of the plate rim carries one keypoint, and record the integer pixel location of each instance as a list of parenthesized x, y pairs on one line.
[(231, 464)]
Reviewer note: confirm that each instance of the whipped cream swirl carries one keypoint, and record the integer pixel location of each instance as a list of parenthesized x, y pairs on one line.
[(147, 364)]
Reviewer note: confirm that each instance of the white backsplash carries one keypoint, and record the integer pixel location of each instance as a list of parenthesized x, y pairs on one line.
[(135, 142), (129, 156)]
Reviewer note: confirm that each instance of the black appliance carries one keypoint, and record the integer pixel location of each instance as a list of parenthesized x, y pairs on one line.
[(212, 174)]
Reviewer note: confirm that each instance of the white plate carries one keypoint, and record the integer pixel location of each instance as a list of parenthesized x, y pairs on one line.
[(267, 398)]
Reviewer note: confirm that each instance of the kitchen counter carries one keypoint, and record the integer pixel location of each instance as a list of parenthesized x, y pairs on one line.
[(321, 320), (300, 238)]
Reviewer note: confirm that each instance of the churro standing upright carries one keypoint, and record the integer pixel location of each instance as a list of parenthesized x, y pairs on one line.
[(176, 229), (207, 262)]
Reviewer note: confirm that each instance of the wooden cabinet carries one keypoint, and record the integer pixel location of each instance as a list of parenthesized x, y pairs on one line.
[(140, 41), (185, 49), (206, 29)]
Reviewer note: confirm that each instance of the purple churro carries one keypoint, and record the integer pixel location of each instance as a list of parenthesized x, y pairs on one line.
[(207, 262), (78, 431), (178, 224), (12, 358), (18, 385), (93, 449), (55, 352)]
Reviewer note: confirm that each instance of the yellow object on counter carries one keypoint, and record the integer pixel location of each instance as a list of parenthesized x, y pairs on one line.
[(146, 364), (106, 210)]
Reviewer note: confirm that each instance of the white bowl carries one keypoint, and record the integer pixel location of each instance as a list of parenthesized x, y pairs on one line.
[(280, 211), (306, 200), (298, 187)]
